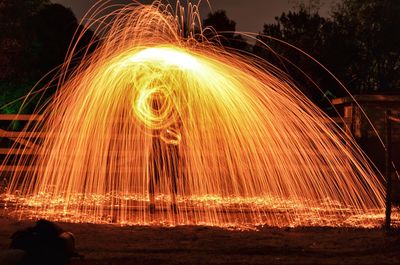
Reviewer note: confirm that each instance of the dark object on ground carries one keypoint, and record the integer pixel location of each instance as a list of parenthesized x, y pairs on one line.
[(45, 243)]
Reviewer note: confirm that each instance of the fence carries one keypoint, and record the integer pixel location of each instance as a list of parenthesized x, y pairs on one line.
[(21, 138)]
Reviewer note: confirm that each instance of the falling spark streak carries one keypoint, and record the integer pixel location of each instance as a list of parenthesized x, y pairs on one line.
[(225, 139)]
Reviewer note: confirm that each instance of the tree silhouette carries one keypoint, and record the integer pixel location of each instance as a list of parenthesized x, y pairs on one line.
[(359, 44), (15, 37), (53, 28), (369, 29), (305, 29), (35, 38), (223, 30)]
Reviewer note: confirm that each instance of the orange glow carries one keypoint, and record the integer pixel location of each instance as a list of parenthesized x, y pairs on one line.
[(226, 140)]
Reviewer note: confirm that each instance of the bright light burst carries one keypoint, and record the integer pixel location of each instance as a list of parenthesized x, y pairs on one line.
[(225, 139)]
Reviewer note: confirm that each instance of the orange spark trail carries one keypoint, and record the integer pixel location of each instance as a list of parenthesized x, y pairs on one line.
[(157, 128)]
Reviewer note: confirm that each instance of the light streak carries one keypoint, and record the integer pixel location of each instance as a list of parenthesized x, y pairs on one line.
[(226, 139)]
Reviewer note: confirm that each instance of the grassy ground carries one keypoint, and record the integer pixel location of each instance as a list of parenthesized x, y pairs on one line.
[(112, 245)]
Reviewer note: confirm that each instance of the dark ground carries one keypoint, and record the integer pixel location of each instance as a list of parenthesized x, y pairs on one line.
[(112, 245)]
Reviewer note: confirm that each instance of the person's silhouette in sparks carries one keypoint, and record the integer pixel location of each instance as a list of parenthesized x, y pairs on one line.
[(45, 243), (164, 167)]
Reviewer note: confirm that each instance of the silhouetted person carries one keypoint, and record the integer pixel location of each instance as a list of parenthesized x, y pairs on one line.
[(45, 243), (165, 163)]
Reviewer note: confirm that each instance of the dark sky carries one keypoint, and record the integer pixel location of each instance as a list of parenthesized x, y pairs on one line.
[(250, 15)]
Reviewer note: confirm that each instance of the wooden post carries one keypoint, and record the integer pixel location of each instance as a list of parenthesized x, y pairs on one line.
[(388, 173)]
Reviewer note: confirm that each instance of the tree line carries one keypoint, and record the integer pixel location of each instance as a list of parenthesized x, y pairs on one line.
[(34, 39)]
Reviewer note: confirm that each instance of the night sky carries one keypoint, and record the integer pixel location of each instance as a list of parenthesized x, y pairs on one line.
[(250, 15)]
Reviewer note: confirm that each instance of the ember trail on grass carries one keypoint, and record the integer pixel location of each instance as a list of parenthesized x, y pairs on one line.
[(160, 126)]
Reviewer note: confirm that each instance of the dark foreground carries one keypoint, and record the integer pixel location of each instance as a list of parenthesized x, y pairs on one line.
[(112, 245)]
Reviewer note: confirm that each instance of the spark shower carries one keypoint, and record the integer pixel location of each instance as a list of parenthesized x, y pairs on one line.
[(160, 126)]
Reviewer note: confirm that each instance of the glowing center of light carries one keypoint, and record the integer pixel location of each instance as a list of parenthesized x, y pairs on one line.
[(166, 56)]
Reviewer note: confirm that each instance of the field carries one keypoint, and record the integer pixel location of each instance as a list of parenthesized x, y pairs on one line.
[(116, 245)]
